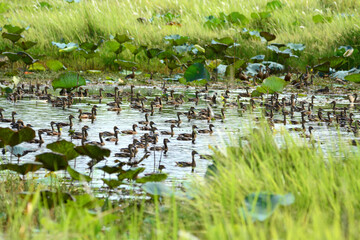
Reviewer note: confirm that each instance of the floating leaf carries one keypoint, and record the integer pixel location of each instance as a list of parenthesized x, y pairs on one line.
[(296, 46), (65, 45), (153, 52), (25, 45), (111, 170), (260, 206), (55, 65), (353, 78), (12, 138), (93, 151), (268, 36), (64, 147), (130, 174), (48, 198), (69, 49), (22, 169), (14, 29), (260, 15), (68, 80), (75, 175), (122, 38), (275, 84), (112, 183), (321, 19), (322, 67), (196, 72), (157, 189), (125, 64), (237, 18), (37, 67), (52, 161), (13, 37), (176, 39), (273, 5), (152, 178)]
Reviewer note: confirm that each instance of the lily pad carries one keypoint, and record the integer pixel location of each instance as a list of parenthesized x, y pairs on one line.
[(13, 57), (13, 37), (25, 45), (75, 175), (93, 151), (176, 39), (55, 65), (260, 206), (273, 5), (125, 64), (64, 147), (196, 72), (22, 169), (112, 183), (12, 138), (237, 18), (353, 78), (37, 67), (68, 80), (152, 178), (130, 174), (52, 161), (157, 189), (111, 170), (275, 84), (153, 52), (122, 38), (14, 29), (48, 198), (268, 36)]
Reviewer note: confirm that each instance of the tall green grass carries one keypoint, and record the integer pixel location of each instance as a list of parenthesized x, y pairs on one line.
[(90, 19), (326, 190)]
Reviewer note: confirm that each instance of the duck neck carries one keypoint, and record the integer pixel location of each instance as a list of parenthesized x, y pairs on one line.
[(100, 137), (193, 162)]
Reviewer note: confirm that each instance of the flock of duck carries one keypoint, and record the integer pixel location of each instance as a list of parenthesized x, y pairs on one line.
[(147, 134)]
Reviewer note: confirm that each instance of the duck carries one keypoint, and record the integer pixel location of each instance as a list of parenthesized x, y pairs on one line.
[(171, 131), (178, 121), (52, 132), (147, 128), (308, 135), (161, 148), (131, 75), (210, 130), (128, 154), (116, 108), (2, 119), (98, 96), (133, 131), (40, 140), (188, 134), (108, 134), (188, 164), (101, 143), (87, 115), (113, 139), (146, 122), (69, 124)]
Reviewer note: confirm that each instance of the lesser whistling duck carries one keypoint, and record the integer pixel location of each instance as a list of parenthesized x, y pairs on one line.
[(161, 148), (133, 131), (210, 130), (189, 164), (171, 131)]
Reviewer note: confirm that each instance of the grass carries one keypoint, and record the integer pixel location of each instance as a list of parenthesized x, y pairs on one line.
[(89, 20), (325, 187)]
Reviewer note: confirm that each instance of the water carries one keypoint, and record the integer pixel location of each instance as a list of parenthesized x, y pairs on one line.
[(39, 114)]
